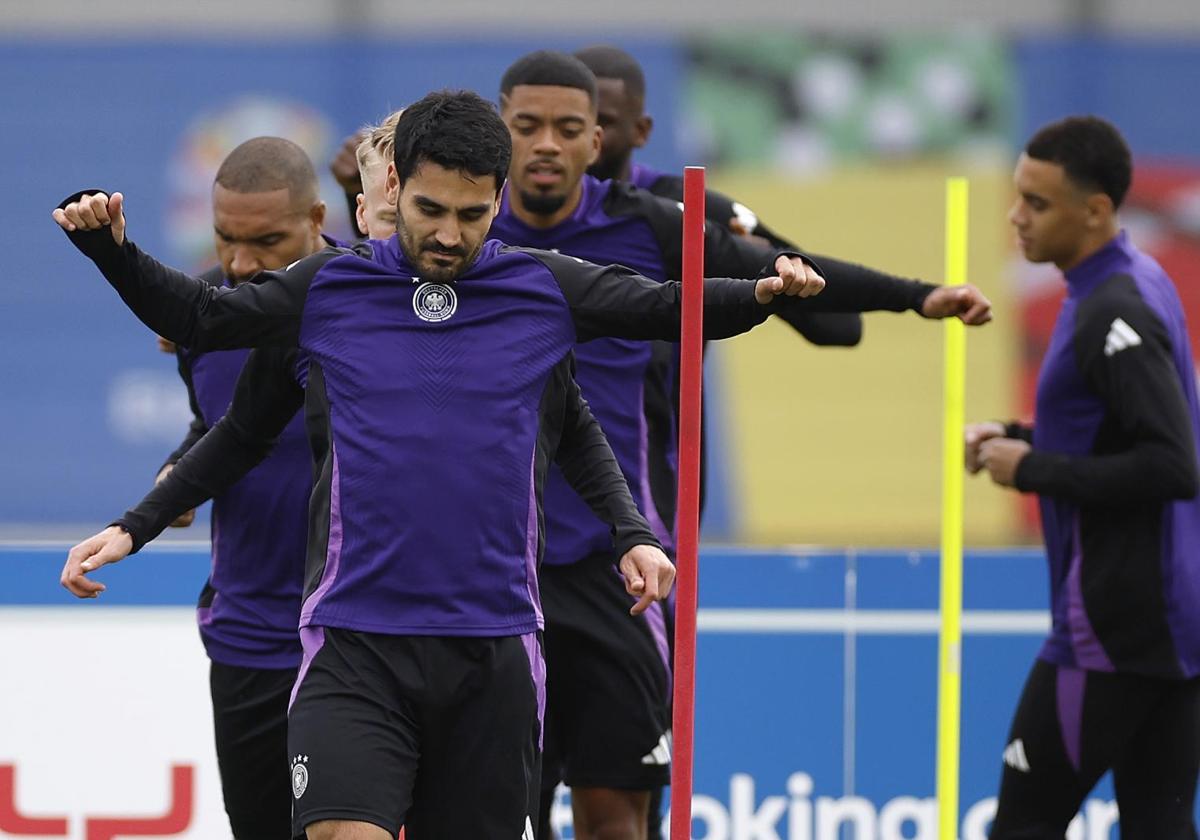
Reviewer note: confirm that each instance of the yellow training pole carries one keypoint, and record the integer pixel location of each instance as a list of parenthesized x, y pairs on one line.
[(950, 644)]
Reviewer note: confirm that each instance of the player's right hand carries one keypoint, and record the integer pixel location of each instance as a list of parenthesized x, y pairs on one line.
[(93, 212), (973, 437), (109, 546)]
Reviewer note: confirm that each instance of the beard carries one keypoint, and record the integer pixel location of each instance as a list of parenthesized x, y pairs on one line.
[(607, 169), (418, 256), (541, 204)]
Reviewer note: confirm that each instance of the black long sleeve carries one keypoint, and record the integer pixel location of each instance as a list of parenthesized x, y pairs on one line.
[(197, 428), (1145, 450), (193, 313), (850, 287), (730, 255), (824, 329), (266, 399), (1018, 431), (589, 466), (616, 302)]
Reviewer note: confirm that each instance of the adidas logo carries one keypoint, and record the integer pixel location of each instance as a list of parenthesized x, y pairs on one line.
[(1120, 337), (527, 834), (661, 754), (1014, 756)]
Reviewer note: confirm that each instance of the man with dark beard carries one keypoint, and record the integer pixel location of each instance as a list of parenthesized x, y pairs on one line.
[(435, 369)]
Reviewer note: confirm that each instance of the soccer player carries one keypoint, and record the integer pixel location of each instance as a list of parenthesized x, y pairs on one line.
[(436, 371), (1112, 457), (374, 215), (608, 715), (266, 215), (621, 89)]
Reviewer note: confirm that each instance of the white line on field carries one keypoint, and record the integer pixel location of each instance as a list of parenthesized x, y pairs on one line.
[(868, 622)]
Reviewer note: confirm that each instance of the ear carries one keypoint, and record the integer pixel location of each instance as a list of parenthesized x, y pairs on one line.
[(317, 216), (360, 213), (597, 142), (1100, 210), (391, 185), (641, 130)]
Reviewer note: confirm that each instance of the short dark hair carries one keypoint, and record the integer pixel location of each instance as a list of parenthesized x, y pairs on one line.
[(264, 164), (456, 129), (1091, 151), (609, 62), (550, 68)]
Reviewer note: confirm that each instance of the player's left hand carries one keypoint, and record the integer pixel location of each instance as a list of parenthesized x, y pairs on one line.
[(965, 302), (794, 278), (1001, 456), (648, 576)]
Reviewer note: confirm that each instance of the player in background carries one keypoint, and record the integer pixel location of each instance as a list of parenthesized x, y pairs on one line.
[(608, 717), (266, 215), (621, 85), (374, 216), (425, 523), (1112, 457)]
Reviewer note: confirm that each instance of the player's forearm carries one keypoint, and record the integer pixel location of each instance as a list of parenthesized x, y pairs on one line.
[(615, 302), (165, 300), (589, 466), (196, 430), (1151, 472), (856, 288), (217, 462), (189, 311)]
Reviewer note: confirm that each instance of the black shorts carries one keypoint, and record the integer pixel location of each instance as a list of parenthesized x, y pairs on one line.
[(439, 735), (608, 688), (1071, 726), (250, 723)]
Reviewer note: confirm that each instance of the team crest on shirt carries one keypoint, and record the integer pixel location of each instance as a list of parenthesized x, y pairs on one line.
[(299, 775), (434, 302)]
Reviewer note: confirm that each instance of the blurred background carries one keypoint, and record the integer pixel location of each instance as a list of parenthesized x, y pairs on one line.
[(836, 122)]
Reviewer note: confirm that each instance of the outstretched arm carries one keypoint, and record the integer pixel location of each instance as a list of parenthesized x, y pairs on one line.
[(266, 399), (179, 307), (615, 301)]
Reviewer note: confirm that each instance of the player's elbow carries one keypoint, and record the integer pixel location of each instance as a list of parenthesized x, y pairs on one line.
[(827, 329)]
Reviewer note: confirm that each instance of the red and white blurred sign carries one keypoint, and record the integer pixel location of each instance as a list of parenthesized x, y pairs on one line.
[(106, 725)]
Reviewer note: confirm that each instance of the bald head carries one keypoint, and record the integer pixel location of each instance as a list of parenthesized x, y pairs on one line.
[(267, 164), (609, 62), (621, 109), (266, 211)]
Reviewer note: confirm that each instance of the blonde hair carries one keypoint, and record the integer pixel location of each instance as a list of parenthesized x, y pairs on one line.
[(377, 139)]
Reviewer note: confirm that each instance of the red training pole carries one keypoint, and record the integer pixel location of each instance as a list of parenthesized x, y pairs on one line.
[(691, 377)]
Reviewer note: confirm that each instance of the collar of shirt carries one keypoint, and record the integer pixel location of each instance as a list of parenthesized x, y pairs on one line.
[(1097, 267)]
